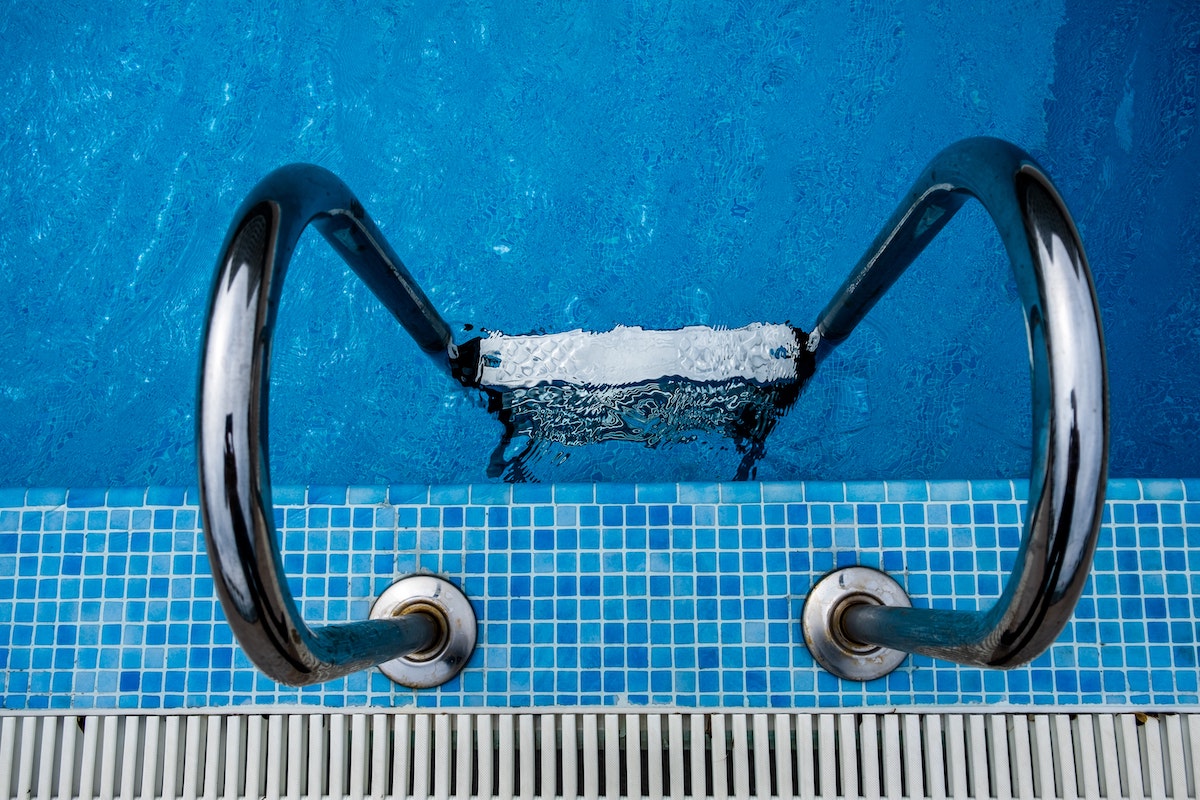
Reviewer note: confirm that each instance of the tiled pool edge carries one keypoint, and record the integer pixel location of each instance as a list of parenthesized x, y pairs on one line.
[(605, 595)]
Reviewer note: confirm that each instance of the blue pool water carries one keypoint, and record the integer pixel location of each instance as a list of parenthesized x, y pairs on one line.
[(640, 163)]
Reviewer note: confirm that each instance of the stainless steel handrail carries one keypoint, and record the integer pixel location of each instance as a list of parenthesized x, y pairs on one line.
[(1070, 404), (231, 426)]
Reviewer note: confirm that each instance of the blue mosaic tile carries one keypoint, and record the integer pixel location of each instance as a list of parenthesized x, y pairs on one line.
[(531, 493), (125, 497), (657, 493), (740, 493), (781, 492), (360, 495), (619, 493), (449, 495), (80, 498), (949, 490), (609, 595), (991, 490), (1123, 489), (573, 493), (166, 495), (824, 491), (1162, 490), (697, 493), (404, 494), (43, 497), (490, 494), (865, 492), (288, 495), (907, 491), (327, 495)]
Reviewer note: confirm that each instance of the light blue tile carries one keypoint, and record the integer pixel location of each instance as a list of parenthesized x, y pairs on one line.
[(866, 492), (991, 490), (906, 491), (44, 497), (490, 494), (12, 498), (289, 495), (78, 498), (780, 492), (366, 495), (698, 493), (949, 490), (574, 493), (531, 493), (405, 494), (824, 492), (657, 493), (327, 495), (737, 493), (449, 495), (165, 495), (1162, 489), (125, 497), (1124, 489), (616, 493)]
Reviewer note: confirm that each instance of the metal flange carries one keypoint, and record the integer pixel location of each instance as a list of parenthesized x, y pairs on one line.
[(455, 629), (824, 631)]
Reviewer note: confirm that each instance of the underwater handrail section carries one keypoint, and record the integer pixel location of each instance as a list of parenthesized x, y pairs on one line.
[(232, 448), (1070, 416)]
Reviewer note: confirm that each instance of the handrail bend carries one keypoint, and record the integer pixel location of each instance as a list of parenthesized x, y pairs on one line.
[(231, 421), (1070, 400)]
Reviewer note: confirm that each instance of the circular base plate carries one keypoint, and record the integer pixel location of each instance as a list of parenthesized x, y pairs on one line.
[(822, 623), (442, 600)]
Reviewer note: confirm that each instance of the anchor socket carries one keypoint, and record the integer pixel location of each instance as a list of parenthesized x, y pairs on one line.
[(454, 624), (823, 621)]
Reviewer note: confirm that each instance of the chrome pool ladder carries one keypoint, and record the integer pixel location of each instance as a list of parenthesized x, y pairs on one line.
[(858, 623)]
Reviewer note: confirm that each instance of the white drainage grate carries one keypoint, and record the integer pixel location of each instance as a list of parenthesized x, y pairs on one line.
[(672, 755)]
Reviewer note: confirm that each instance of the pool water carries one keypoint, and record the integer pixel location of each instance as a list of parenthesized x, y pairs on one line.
[(642, 164)]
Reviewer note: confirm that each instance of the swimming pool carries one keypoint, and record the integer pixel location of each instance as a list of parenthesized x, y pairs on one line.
[(646, 164), (639, 165)]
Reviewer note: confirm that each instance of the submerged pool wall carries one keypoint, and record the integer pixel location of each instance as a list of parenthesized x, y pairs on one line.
[(606, 596)]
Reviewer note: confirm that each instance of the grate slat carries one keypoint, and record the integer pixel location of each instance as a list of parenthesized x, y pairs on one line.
[(783, 756), (654, 757)]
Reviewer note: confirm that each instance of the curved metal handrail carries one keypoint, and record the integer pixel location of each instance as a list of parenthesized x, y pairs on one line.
[(1070, 401), (231, 421)]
